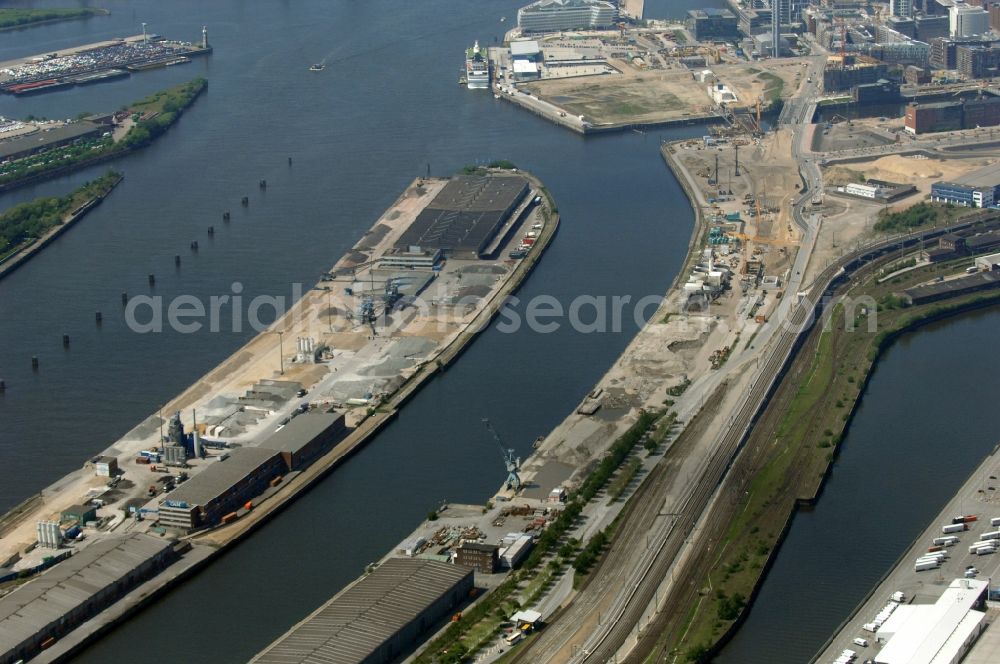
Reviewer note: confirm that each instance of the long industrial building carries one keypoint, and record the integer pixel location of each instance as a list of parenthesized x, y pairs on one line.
[(44, 610), (375, 619), (26, 145), (938, 633), (307, 437), (220, 489), (465, 216)]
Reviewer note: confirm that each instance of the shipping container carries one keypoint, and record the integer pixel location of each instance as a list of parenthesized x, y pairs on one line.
[(936, 547), (229, 518)]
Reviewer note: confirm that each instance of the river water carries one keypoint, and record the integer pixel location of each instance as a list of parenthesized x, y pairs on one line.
[(926, 421), (386, 106)]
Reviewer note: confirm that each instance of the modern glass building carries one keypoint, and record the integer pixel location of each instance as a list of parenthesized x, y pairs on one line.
[(556, 15)]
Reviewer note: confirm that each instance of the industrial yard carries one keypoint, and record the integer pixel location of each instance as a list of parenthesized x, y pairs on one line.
[(252, 433), (640, 77), (959, 545), (93, 63), (675, 451)]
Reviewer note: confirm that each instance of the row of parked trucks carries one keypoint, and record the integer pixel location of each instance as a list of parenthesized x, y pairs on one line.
[(846, 657), (895, 600), (988, 542)]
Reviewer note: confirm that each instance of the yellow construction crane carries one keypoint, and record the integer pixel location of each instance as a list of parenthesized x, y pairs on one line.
[(714, 55)]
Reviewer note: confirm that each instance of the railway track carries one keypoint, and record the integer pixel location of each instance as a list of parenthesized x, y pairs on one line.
[(694, 506), (661, 540)]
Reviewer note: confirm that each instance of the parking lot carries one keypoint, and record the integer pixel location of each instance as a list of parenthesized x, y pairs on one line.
[(99, 57), (977, 498)]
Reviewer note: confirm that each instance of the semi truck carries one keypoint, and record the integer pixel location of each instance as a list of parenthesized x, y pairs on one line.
[(992, 535), (950, 540), (954, 528), (923, 566)]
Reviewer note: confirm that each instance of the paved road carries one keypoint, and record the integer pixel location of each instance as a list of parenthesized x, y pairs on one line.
[(672, 500), (605, 620)]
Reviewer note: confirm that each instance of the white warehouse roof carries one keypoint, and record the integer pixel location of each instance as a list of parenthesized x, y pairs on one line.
[(938, 633), (987, 648), (524, 47), (525, 67)]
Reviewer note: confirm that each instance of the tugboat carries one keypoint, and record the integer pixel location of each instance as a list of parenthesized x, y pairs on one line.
[(319, 66)]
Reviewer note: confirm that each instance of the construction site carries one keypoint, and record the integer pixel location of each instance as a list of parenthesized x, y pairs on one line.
[(638, 77)]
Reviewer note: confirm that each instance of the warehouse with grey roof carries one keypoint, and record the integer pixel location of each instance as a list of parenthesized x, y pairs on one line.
[(307, 437), (465, 215), (377, 618), (221, 488), (72, 592)]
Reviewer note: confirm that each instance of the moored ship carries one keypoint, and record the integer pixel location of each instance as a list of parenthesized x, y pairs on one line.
[(477, 68)]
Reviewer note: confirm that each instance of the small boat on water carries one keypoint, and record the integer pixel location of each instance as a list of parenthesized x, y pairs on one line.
[(317, 67)]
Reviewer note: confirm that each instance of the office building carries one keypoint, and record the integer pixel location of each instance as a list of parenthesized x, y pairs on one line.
[(980, 188), (976, 61), (926, 28), (843, 73), (484, 558), (966, 21), (902, 8), (711, 24), (556, 15)]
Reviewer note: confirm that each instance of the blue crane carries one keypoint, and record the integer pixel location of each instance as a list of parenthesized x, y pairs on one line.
[(512, 463)]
